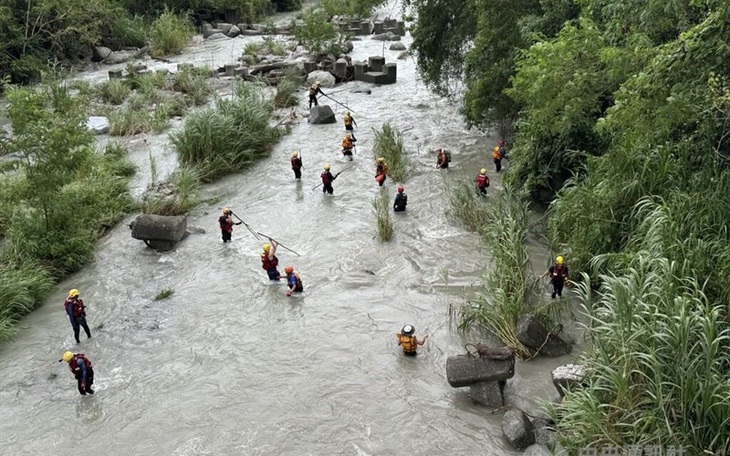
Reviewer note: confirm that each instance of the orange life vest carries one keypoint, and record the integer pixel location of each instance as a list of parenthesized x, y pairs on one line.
[(408, 343), (347, 143), (496, 153)]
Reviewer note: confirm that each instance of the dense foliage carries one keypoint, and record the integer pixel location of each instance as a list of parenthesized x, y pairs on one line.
[(622, 121), (59, 197), (36, 33)]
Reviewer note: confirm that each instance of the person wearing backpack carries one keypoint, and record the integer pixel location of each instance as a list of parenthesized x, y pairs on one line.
[(482, 182)]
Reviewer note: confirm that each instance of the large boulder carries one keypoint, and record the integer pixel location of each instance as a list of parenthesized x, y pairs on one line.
[(397, 46), (556, 346), (487, 393), (151, 227), (535, 336), (568, 377), (347, 46), (101, 53), (517, 428), (537, 450), (233, 32), (217, 36), (321, 115), (325, 78), (466, 370), (224, 27), (98, 124)]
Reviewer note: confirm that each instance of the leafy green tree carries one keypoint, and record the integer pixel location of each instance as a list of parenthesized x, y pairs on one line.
[(315, 31)]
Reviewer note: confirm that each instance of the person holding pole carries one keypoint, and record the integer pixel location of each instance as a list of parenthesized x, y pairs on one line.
[(327, 179), (349, 122), (348, 143), (314, 90), (269, 261), (226, 223)]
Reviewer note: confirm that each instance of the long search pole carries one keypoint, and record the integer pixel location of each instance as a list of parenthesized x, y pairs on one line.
[(246, 225), (278, 243), (338, 103)]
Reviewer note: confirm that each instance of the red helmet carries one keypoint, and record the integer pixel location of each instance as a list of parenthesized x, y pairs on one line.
[(288, 269), (401, 189), (501, 142)]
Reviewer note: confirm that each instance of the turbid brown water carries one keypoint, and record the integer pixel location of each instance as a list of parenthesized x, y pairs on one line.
[(228, 364)]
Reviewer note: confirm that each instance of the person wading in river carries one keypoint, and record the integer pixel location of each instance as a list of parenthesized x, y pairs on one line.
[(497, 158), (327, 179), (81, 368), (226, 223), (408, 341), (401, 200), (76, 312), (558, 275), (381, 170), (348, 142), (442, 158), (269, 262), (482, 182), (314, 90), (349, 122), (293, 281), (296, 164)]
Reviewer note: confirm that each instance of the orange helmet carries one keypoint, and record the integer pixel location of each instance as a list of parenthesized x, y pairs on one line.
[(288, 269)]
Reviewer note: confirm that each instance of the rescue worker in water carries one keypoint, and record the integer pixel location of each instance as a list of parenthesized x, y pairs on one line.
[(482, 182), (314, 90), (348, 143), (76, 312), (81, 368), (327, 179), (269, 262), (293, 281), (401, 200), (349, 122), (296, 164), (381, 171), (408, 341), (226, 223), (558, 275), (442, 159)]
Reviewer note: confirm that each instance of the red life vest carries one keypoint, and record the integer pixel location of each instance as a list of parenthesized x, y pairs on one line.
[(327, 177), (560, 272), (267, 263), (226, 223), (73, 365), (78, 306), (482, 181), (296, 163)]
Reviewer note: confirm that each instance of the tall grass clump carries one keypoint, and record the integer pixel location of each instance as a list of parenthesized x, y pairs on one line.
[(389, 144), (169, 34), (229, 136), (23, 286), (185, 195), (509, 284), (467, 206), (657, 371), (381, 210), (131, 120), (114, 91), (195, 84), (286, 91)]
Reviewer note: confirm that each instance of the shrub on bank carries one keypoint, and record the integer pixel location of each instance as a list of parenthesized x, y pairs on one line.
[(169, 34), (228, 137), (63, 195), (381, 210)]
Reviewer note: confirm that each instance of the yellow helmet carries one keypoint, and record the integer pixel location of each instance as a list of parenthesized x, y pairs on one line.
[(327, 167), (381, 159), (67, 356), (266, 248), (347, 113), (226, 211), (483, 171), (348, 135), (560, 259), (73, 293), (294, 154)]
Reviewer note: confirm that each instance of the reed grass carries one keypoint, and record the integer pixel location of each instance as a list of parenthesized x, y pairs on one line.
[(185, 195), (659, 364), (22, 288), (195, 84), (228, 137), (509, 284), (164, 294), (466, 206), (286, 93), (389, 144), (383, 218)]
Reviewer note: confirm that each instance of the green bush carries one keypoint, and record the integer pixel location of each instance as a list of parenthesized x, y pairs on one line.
[(195, 84), (286, 93), (467, 206), (316, 32), (229, 137), (114, 91), (389, 144), (185, 183), (169, 34)]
